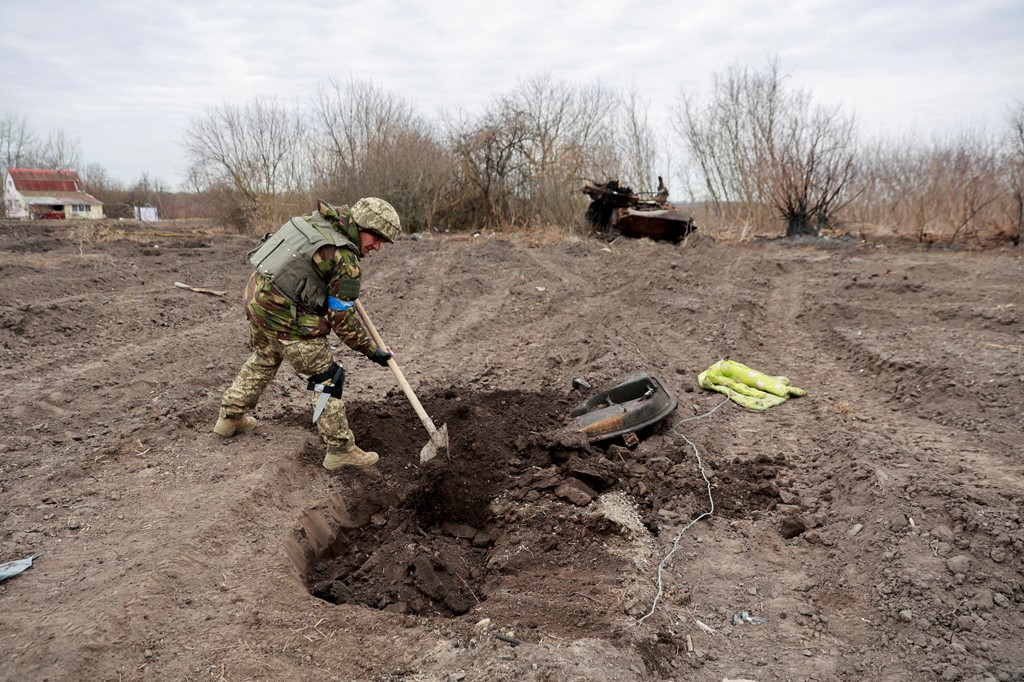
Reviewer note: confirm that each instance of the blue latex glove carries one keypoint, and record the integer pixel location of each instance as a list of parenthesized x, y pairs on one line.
[(338, 304)]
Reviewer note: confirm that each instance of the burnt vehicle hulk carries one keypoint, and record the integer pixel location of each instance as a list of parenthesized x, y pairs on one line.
[(616, 208)]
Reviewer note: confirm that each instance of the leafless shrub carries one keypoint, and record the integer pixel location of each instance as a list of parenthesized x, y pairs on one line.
[(488, 166), (524, 159), (811, 166), (970, 168), (757, 147), (370, 142), (952, 189)]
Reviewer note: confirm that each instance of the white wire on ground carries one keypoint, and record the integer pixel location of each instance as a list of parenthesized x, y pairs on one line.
[(679, 535)]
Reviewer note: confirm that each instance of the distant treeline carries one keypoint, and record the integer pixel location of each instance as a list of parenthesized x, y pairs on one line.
[(753, 156)]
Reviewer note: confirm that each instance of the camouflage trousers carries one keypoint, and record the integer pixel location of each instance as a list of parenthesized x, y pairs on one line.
[(307, 357)]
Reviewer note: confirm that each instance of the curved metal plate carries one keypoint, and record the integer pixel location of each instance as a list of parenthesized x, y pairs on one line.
[(637, 402)]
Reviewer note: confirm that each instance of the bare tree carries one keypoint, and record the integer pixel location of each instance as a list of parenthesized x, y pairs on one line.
[(489, 165), (1015, 171), (353, 120), (757, 146), (59, 151), (257, 151), (811, 165), (729, 136), (147, 191), (21, 147), (637, 143), (565, 128), (526, 155), (18, 143), (95, 179), (97, 182), (368, 141)]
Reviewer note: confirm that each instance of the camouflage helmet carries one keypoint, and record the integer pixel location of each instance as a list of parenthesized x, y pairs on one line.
[(377, 216)]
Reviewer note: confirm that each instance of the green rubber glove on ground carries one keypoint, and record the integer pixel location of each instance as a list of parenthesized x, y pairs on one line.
[(745, 386)]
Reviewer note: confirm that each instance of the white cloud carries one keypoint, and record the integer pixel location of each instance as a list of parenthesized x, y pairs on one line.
[(128, 76)]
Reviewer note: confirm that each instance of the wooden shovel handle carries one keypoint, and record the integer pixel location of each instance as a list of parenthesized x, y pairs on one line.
[(406, 388)]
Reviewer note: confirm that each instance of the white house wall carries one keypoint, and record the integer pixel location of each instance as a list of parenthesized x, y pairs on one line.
[(94, 212), (14, 204)]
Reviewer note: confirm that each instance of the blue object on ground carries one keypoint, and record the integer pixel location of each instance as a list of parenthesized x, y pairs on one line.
[(13, 568)]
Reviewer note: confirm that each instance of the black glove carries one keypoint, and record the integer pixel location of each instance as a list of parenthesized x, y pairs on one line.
[(380, 356)]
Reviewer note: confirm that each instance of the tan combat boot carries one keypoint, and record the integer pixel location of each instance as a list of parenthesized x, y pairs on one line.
[(226, 428), (353, 457)]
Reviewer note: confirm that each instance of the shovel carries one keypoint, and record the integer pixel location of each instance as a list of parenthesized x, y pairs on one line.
[(438, 437)]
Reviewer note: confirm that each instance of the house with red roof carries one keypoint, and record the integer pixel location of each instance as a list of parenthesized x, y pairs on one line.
[(48, 195)]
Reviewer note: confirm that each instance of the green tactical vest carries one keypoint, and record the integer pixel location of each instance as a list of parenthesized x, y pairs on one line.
[(286, 259)]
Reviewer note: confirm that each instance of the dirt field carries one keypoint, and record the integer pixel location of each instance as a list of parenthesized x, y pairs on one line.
[(874, 524)]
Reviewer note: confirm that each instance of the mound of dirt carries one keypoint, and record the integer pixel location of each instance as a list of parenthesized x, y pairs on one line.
[(869, 530)]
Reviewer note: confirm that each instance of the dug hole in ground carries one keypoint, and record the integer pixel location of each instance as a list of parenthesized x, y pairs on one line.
[(870, 529)]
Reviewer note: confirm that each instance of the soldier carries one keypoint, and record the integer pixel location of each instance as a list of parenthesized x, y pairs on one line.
[(306, 278)]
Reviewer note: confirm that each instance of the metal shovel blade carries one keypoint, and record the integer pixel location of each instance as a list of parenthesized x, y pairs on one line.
[(438, 442)]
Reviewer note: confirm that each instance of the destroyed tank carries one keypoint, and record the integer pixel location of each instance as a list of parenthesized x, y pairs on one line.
[(616, 208)]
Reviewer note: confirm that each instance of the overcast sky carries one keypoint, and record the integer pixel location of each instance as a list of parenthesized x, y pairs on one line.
[(123, 77)]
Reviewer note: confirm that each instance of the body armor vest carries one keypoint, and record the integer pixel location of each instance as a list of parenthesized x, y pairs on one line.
[(286, 259)]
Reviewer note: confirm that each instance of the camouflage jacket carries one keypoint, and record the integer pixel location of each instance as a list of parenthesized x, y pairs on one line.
[(267, 307)]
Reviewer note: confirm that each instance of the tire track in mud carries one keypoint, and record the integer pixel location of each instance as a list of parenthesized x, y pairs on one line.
[(943, 387), (417, 315), (868, 458), (777, 314), (860, 386), (518, 289), (839, 476)]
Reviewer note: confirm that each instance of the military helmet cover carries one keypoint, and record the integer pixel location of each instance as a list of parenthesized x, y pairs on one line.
[(377, 216)]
